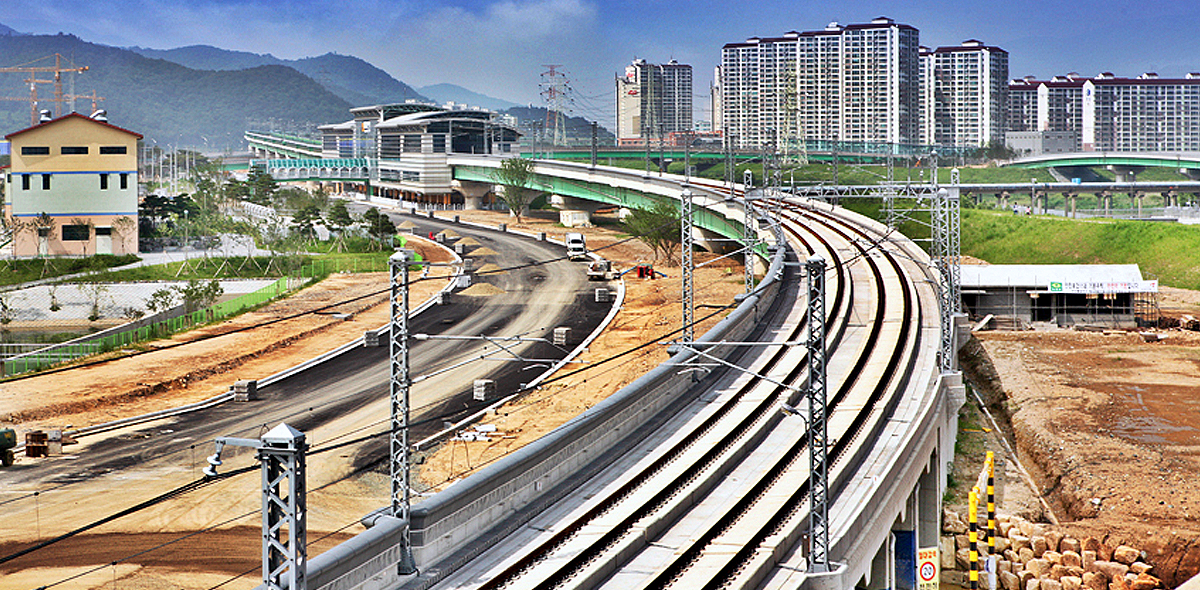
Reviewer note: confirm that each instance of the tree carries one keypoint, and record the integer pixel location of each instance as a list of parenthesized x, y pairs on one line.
[(88, 228), (658, 227), (516, 175), (160, 300), (262, 187), (379, 226), (126, 230), (305, 220), (338, 220), (197, 294)]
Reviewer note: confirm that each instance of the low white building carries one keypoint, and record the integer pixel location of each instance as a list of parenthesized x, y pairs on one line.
[(1017, 296)]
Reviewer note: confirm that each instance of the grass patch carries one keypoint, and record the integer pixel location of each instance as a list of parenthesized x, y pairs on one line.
[(240, 267), (1165, 251), (15, 272)]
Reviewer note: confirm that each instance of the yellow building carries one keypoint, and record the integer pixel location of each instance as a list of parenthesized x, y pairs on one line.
[(72, 188)]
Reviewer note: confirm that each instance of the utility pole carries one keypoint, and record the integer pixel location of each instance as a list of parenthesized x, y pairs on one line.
[(818, 479), (685, 262), (945, 247), (400, 382), (594, 143), (750, 239), (282, 454)]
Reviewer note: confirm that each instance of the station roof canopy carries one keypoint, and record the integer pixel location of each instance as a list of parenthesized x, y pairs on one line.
[(427, 117), (1039, 276), (387, 111)]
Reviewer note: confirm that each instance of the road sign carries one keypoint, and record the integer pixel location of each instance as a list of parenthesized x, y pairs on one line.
[(928, 566)]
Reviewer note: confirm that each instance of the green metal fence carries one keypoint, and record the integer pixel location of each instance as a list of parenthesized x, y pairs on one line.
[(59, 353)]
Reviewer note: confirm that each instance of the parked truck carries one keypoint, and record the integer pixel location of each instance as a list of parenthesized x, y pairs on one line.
[(600, 270), (576, 246)]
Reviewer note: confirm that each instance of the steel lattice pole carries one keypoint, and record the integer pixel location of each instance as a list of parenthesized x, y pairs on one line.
[(285, 518), (945, 250), (400, 382), (818, 560), (750, 240), (953, 247), (685, 261)]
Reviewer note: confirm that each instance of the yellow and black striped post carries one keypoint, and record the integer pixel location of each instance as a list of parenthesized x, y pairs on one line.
[(991, 503), (973, 537)]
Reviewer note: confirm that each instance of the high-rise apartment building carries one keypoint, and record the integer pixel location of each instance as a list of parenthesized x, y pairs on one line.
[(965, 89), (653, 101), (858, 82), (1147, 113), (880, 81), (758, 91)]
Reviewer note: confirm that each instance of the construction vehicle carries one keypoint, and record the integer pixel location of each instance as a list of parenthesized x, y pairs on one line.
[(600, 270), (8, 442)]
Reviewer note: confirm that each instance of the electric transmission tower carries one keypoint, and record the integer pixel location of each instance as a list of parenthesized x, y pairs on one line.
[(555, 89)]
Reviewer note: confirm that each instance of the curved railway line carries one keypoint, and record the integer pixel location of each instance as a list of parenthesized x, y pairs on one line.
[(725, 498)]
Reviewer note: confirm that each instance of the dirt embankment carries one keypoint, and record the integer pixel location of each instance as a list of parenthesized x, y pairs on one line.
[(1108, 425)]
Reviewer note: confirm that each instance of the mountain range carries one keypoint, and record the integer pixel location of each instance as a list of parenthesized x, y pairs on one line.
[(206, 97)]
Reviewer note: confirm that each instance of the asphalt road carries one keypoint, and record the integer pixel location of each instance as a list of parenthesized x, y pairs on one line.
[(336, 401)]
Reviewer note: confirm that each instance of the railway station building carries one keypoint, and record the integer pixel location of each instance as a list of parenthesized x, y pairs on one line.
[(1022, 296), (403, 148)]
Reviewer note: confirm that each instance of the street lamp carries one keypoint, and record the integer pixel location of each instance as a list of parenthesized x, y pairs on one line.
[(1032, 195)]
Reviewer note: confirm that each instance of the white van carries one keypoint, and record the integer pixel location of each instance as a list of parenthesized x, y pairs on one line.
[(576, 247)]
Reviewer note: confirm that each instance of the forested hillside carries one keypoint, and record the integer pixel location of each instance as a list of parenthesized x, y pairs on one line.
[(355, 80), (166, 101)]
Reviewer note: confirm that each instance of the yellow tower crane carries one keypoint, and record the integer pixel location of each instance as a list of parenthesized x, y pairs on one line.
[(33, 70)]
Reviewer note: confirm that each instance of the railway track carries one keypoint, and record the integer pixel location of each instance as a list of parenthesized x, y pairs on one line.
[(724, 499)]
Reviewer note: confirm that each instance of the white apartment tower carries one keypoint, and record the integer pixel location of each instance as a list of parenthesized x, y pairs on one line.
[(653, 100), (860, 83), (758, 91), (969, 89)]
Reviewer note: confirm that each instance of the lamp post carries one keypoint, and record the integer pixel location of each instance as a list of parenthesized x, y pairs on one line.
[(1033, 195)]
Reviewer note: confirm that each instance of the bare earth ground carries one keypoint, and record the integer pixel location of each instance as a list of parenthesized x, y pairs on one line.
[(172, 377), (651, 311), (1110, 427)]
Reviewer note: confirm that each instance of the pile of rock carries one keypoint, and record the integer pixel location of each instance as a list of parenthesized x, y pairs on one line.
[(1036, 557)]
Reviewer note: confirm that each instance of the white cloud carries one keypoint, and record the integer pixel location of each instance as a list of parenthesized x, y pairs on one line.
[(499, 49)]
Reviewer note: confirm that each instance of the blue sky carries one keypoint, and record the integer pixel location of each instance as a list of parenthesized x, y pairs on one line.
[(499, 47)]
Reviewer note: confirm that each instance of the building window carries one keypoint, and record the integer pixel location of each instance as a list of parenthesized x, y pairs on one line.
[(103, 231), (76, 233), (74, 150), (124, 181), (24, 182), (45, 182), (112, 150), (103, 182), (35, 150)]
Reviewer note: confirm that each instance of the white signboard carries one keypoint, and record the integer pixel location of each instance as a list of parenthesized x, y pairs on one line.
[(928, 569), (1087, 287)]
